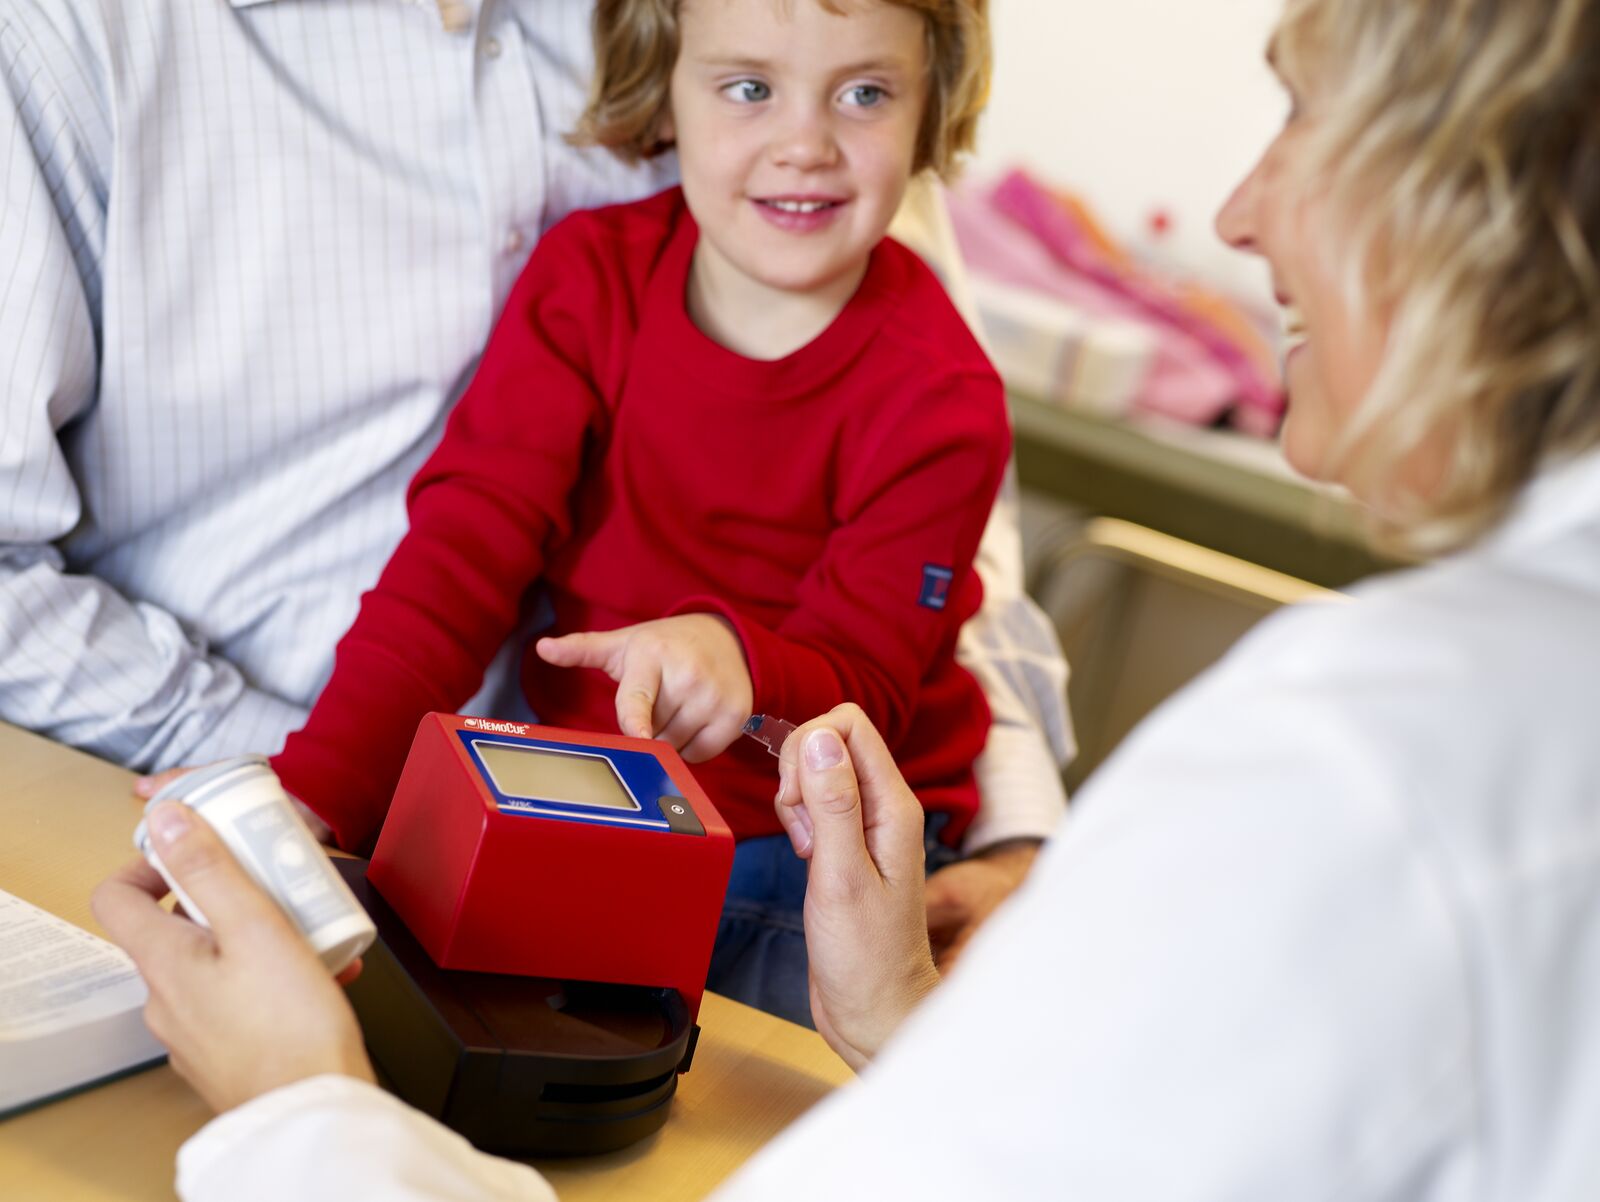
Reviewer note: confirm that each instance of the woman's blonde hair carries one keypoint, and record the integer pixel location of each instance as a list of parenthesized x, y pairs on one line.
[(1457, 143), (636, 47)]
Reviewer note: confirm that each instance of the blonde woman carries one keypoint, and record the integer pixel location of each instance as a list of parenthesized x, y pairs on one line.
[(1329, 924)]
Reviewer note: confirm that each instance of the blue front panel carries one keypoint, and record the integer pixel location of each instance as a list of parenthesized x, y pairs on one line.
[(639, 772)]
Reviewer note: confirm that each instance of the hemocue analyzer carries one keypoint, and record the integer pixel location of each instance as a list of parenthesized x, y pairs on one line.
[(546, 901), (514, 848)]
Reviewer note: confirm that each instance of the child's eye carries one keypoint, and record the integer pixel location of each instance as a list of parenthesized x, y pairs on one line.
[(865, 95), (747, 91)]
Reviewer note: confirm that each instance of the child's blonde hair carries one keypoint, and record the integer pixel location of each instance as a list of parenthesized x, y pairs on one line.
[(636, 48)]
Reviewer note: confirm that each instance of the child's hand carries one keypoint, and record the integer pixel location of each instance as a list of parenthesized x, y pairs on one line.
[(683, 679)]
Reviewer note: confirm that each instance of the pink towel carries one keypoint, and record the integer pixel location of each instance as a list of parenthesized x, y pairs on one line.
[(1019, 234)]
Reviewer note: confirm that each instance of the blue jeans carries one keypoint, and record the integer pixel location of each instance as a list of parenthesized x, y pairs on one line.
[(760, 955)]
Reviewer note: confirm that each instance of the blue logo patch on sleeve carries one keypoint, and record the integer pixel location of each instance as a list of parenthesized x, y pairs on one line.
[(935, 586)]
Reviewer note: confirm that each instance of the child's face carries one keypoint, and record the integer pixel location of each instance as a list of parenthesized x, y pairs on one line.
[(796, 131)]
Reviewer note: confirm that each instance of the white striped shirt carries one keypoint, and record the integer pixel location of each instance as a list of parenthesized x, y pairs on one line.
[(249, 253)]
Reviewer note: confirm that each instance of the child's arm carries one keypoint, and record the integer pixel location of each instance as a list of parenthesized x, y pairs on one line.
[(482, 510), (895, 579), (892, 585)]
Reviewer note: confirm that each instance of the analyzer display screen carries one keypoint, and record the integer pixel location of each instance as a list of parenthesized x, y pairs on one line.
[(536, 774)]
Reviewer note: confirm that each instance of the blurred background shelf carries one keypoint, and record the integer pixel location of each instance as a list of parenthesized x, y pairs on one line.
[(1223, 491)]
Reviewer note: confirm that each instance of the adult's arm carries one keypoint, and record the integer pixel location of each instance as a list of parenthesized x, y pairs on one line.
[(1011, 649), (1236, 973), (79, 662), (255, 1024), (332, 1138)]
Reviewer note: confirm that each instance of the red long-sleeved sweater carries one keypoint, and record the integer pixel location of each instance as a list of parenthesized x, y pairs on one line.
[(828, 503)]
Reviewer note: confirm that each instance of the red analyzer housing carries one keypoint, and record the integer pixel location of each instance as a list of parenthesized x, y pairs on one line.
[(524, 849)]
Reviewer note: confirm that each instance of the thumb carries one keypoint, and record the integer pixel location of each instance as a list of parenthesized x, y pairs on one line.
[(195, 856), (832, 797), (586, 649), (883, 814)]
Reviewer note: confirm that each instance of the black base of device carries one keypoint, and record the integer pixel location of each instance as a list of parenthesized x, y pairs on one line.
[(520, 1065)]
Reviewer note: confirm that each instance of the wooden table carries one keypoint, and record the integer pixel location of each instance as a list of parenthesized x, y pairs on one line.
[(66, 820)]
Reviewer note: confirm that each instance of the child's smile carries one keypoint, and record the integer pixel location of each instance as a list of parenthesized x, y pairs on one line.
[(800, 213)]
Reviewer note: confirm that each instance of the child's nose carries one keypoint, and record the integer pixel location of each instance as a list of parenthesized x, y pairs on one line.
[(806, 142)]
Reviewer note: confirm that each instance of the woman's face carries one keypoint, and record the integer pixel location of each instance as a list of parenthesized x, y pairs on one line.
[(1334, 348)]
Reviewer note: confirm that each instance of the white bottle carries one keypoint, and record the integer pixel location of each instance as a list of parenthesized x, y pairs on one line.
[(245, 803)]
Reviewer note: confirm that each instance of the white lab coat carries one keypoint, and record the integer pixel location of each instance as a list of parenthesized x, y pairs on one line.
[(1327, 926)]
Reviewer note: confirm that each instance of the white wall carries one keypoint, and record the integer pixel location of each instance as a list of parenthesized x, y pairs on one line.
[(1138, 105)]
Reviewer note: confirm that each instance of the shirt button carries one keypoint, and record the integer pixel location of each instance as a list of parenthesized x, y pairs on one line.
[(513, 242), (491, 48)]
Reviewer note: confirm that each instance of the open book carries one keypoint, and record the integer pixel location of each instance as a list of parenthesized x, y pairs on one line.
[(70, 1008)]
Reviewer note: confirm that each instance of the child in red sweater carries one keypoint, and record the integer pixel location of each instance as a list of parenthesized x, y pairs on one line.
[(740, 440)]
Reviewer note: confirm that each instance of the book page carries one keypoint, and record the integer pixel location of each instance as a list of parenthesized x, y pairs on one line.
[(55, 976)]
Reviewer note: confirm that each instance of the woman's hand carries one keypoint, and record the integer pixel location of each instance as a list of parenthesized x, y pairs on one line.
[(681, 679), (847, 809), (245, 1006)]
